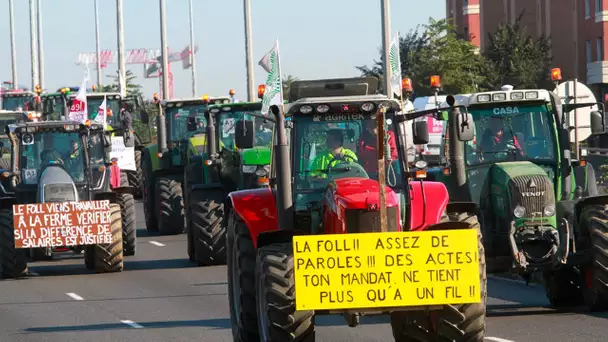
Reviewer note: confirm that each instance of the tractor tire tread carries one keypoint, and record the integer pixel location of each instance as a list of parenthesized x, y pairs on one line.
[(208, 229), (170, 206), (109, 257), (129, 222), (14, 260)]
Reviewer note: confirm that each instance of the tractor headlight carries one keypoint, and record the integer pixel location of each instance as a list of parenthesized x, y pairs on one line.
[(549, 210), (249, 168), (519, 211), (261, 172)]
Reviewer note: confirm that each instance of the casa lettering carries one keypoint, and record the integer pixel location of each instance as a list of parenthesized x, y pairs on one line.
[(506, 110)]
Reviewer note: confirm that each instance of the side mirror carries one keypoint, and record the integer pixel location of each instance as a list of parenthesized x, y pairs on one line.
[(420, 132), (144, 117), (598, 123), (465, 126), (192, 124), (244, 134)]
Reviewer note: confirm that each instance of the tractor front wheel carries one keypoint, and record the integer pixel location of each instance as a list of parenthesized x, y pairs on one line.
[(241, 283), (278, 319), (594, 219), (109, 257), (129, 226), (170, 206), (562, 286), (208, 230), (460, 322), (148, 195), (13, 260)]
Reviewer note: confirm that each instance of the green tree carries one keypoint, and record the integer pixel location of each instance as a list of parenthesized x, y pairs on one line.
[(517, 58), (438, 50), (133, 88)]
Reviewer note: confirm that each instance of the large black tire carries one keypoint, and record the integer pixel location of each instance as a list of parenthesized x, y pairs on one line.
[(148, 195), (129, 222), (278, 319), (170, 206), (594, 220), (109, 257), (241, 282), (136, 177), (562, 286), (14, 261), (208, 229), (459, 323), (89, 257)]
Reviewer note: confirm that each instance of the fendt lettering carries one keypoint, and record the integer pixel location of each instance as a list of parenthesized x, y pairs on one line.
[(533, 194)]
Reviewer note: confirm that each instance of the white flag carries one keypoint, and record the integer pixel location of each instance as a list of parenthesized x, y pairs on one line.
[(78, 111), (274, 84), (101, 113), (395, 65)]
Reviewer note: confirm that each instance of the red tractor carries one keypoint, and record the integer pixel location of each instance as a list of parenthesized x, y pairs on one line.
[(327, 240)]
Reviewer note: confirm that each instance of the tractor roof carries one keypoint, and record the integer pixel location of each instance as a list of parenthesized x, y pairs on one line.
[(33, 127), (332, 87), (104, 94), (243, 106), (198, 100), (507, 95), (333, 101), (18, 93)]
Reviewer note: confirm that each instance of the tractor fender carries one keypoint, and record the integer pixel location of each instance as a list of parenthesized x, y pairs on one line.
[(593, 200), (123, 189), (7, 202), (257, 208), (428, 202), (102, 196)]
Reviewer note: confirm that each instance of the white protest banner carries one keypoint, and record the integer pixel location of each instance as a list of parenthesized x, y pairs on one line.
[(124, 155), (78, 110)]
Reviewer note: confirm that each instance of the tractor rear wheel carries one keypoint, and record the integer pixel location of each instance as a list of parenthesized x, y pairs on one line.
[(109, 257), (459, 322), (169, 205), (208, 229), (89, 257), (136, 177), (14, 260), (129, 226), (241, 281), (278, 319), (594, 219)]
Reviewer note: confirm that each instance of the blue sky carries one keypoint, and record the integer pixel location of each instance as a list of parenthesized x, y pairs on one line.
[(318, 38)]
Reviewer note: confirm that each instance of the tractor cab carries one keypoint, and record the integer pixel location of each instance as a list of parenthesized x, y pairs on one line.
[(18, 100), (56, 106)]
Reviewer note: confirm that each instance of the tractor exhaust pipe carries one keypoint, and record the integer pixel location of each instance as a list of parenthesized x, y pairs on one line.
[(283, 172), (211, 148), (161, 130), (457, 166)]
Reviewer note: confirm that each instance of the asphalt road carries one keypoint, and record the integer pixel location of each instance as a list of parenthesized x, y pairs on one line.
[(161, 297)]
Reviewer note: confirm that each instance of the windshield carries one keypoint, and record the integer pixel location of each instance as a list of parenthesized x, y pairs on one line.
[(512, 133), (334, 146), (226, 128), (93, 104), (52, 147), (12, 102), (179, 120)]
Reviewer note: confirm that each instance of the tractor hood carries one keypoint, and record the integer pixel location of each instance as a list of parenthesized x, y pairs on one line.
[(256, 156), (361, 193)]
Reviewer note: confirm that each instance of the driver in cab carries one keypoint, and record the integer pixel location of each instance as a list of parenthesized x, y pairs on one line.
[(335, 154), (494, 139), (49, 155)]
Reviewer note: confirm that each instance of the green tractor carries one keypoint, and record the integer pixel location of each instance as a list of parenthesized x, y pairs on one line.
[(163, 164), (540, 210), (17, 100), (229, 168)]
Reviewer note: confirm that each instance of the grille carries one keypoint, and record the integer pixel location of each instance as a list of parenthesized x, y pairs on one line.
[(365, 221), (59, 193), (532, 192)]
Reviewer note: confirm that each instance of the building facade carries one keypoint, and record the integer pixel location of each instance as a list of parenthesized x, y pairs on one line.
[(576, 28)]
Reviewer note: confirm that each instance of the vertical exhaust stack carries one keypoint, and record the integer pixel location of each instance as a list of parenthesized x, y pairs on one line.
[(284, 195), (457, 164)]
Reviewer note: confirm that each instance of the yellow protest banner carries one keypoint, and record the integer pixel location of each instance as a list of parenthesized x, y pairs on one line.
[(374, 270)]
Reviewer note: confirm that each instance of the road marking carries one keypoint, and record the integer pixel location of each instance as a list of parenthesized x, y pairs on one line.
[(155, 243), (135, 325), (497, 339), (74, 296)]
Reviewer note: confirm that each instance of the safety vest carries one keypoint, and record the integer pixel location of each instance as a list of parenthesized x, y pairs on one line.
[(327, 160)]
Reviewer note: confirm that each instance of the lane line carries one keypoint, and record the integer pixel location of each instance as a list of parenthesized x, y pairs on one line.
[(497, 339), (131, 324), (74, 296), (156, 243)]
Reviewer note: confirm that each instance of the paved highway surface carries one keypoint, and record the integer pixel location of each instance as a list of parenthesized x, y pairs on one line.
[(161, 297)]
